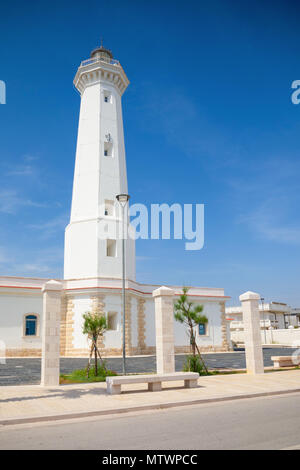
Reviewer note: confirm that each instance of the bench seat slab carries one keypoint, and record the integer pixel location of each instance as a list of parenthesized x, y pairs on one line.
[(154, 381)]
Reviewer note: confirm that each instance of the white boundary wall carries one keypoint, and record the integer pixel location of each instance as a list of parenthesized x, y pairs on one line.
[(287, 337)]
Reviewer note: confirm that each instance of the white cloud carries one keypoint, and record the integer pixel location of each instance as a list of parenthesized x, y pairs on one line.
[(11, 201), (47, 262), (184, 125), (270, 223), (145, 258), (30, 158), (22, 170), (52, 226)]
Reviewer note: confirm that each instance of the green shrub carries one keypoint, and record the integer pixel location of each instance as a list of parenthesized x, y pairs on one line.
[(80, 375), (194, 364), (101, 372)]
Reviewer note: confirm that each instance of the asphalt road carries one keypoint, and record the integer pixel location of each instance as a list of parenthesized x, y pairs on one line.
[(25, 371), (257, 423)]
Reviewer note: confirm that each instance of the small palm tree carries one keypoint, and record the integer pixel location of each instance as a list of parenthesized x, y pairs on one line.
[(94, 325), (191, 316)]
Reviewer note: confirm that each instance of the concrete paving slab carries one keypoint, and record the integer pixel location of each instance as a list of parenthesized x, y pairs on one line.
[(31, 403)]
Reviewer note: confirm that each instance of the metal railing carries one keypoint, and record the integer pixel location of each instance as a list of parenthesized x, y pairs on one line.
[(106, 60)]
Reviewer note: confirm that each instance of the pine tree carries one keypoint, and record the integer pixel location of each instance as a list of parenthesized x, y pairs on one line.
[(190, 315)]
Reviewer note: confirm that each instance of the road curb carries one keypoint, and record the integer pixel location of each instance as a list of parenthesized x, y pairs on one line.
[(155, 406)]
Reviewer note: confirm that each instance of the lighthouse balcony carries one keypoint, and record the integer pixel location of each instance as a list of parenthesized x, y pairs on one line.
[(106, 60)]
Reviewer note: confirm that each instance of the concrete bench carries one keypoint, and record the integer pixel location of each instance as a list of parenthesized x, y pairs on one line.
[(154, 381), (284, 361)]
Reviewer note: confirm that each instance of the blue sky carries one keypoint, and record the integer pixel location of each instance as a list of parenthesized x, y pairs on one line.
[(207, 117)]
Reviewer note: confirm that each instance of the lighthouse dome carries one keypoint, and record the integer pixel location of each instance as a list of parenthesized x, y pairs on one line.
[(101, 53)]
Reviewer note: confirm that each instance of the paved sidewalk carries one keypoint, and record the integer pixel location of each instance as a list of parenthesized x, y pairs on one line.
[(34, 403)]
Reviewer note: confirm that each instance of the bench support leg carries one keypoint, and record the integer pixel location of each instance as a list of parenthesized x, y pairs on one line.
[(113, 389), (279, 364), (190, 383), (154, 386)]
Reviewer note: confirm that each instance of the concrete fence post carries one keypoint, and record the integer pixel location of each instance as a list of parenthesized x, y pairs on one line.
[(51, 333), (164, 328), (252, 333)]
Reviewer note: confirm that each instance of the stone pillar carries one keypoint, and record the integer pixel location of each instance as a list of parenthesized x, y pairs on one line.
[(51, 333), (224, 328), (164, 327), (252, 335), (141, 327)]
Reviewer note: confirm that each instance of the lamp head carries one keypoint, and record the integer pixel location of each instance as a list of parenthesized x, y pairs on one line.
[(123, 198)]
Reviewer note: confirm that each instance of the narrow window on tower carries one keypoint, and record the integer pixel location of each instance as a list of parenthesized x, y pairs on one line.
[(109, 207), (108, 149), (107, 96), (111, 248)]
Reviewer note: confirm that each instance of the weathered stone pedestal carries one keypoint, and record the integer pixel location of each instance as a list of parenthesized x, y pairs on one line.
[(252, 334), (51, 333), (164, 326)]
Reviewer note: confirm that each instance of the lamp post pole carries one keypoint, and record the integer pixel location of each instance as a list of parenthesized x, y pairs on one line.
[(123, 290), (123, 199)]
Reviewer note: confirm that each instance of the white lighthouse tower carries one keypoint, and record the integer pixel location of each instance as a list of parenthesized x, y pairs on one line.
[(94, 279), (93, 248)]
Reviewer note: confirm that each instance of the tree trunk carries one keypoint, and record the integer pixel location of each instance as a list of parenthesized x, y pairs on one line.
[(96, 359), (202, 360), (193, 343)]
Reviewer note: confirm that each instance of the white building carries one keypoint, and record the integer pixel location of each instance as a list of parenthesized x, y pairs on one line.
[(93, 264), (295, 316), (272, 314)]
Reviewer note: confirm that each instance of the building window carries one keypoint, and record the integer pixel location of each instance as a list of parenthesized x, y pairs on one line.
[(109, 207), (31, 325), (112, 321), (107, 96), (108, 149), (111, 248), (202, 329)]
